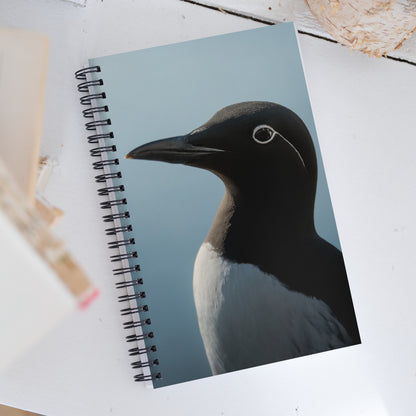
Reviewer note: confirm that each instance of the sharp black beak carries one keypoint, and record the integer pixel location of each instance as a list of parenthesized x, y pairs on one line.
[(172, 150)]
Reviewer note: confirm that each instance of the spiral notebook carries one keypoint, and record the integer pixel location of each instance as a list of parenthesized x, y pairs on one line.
[(216, 205)]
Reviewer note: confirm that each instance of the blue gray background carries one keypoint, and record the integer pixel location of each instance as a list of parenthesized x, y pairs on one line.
[(168, 91)]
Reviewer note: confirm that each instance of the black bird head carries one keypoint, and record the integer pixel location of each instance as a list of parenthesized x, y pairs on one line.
[(243, 144)]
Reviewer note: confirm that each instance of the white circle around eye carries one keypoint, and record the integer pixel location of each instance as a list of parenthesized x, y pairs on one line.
[(266, 127)]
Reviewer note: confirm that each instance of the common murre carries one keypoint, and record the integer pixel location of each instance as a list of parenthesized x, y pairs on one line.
[(266, 286)]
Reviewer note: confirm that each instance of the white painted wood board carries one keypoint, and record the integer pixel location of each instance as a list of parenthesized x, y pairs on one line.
[(276, 11), (364, 110), (78, 2)]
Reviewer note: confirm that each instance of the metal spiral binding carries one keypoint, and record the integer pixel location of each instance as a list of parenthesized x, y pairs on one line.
[(84, 86), (135, 324), (82, 73), (115, 230), (100, 164), (125, 298), (96, 137), (112, 217), (141, 364), (89, 112), (92, 125), (120, 243), (113, 203), (123, 270), (103, 151), (132, 338), (87, 99), (103, 178), (110, 189), (137, 351), (129, 311), (142, 377), (120, 285), (119, 257)]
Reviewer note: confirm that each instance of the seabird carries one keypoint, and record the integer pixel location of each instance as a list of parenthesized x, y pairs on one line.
[(266, 286)]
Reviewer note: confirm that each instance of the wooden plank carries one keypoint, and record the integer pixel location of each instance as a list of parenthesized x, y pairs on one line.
[(12, 411), (23, 71), (273, 11)]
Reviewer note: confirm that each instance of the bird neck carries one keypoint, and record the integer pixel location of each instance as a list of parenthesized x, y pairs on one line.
[(250, 219)]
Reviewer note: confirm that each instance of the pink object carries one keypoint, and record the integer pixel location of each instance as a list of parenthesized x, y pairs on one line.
[(88, 299)]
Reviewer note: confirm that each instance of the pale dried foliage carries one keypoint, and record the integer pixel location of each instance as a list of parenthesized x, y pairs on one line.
[(375, 27)]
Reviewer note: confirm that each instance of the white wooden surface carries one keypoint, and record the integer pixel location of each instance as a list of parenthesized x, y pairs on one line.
[(364, 110), (276, 11), (78, 2)]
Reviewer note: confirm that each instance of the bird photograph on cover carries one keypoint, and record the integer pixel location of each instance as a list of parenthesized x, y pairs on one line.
[(266, 286)]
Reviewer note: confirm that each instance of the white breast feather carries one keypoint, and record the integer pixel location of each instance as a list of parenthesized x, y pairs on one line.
[(247, 317)]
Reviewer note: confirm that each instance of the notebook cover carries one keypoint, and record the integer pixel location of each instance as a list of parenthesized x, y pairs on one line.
[(263, 294)]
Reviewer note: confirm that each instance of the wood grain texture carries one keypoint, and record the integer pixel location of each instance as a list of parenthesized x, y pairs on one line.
[(375, 27), (277, 11), (366, 131), (13, 411), (23, 72)]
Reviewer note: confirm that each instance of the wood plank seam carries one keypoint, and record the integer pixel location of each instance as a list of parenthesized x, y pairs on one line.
[(272, 22)]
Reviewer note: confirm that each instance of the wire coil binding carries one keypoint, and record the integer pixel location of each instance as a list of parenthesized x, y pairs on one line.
[(142, 377), (137, 351), (82, 73), (125, 298), (120, 243), (101, 163), (92, 125), (122, 229), (93, 100), (125, 256), (87, 99), (112, 217), (136, 282), (89, 112), (84, 86), (113, 203), (97, 151), (141, 364), (132, 338), (129, 311), (135, 324), (94, 138), (103, 177), (123, 270), (110, 189)]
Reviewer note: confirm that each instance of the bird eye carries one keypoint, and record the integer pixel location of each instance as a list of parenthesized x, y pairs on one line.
[(263, 134)]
